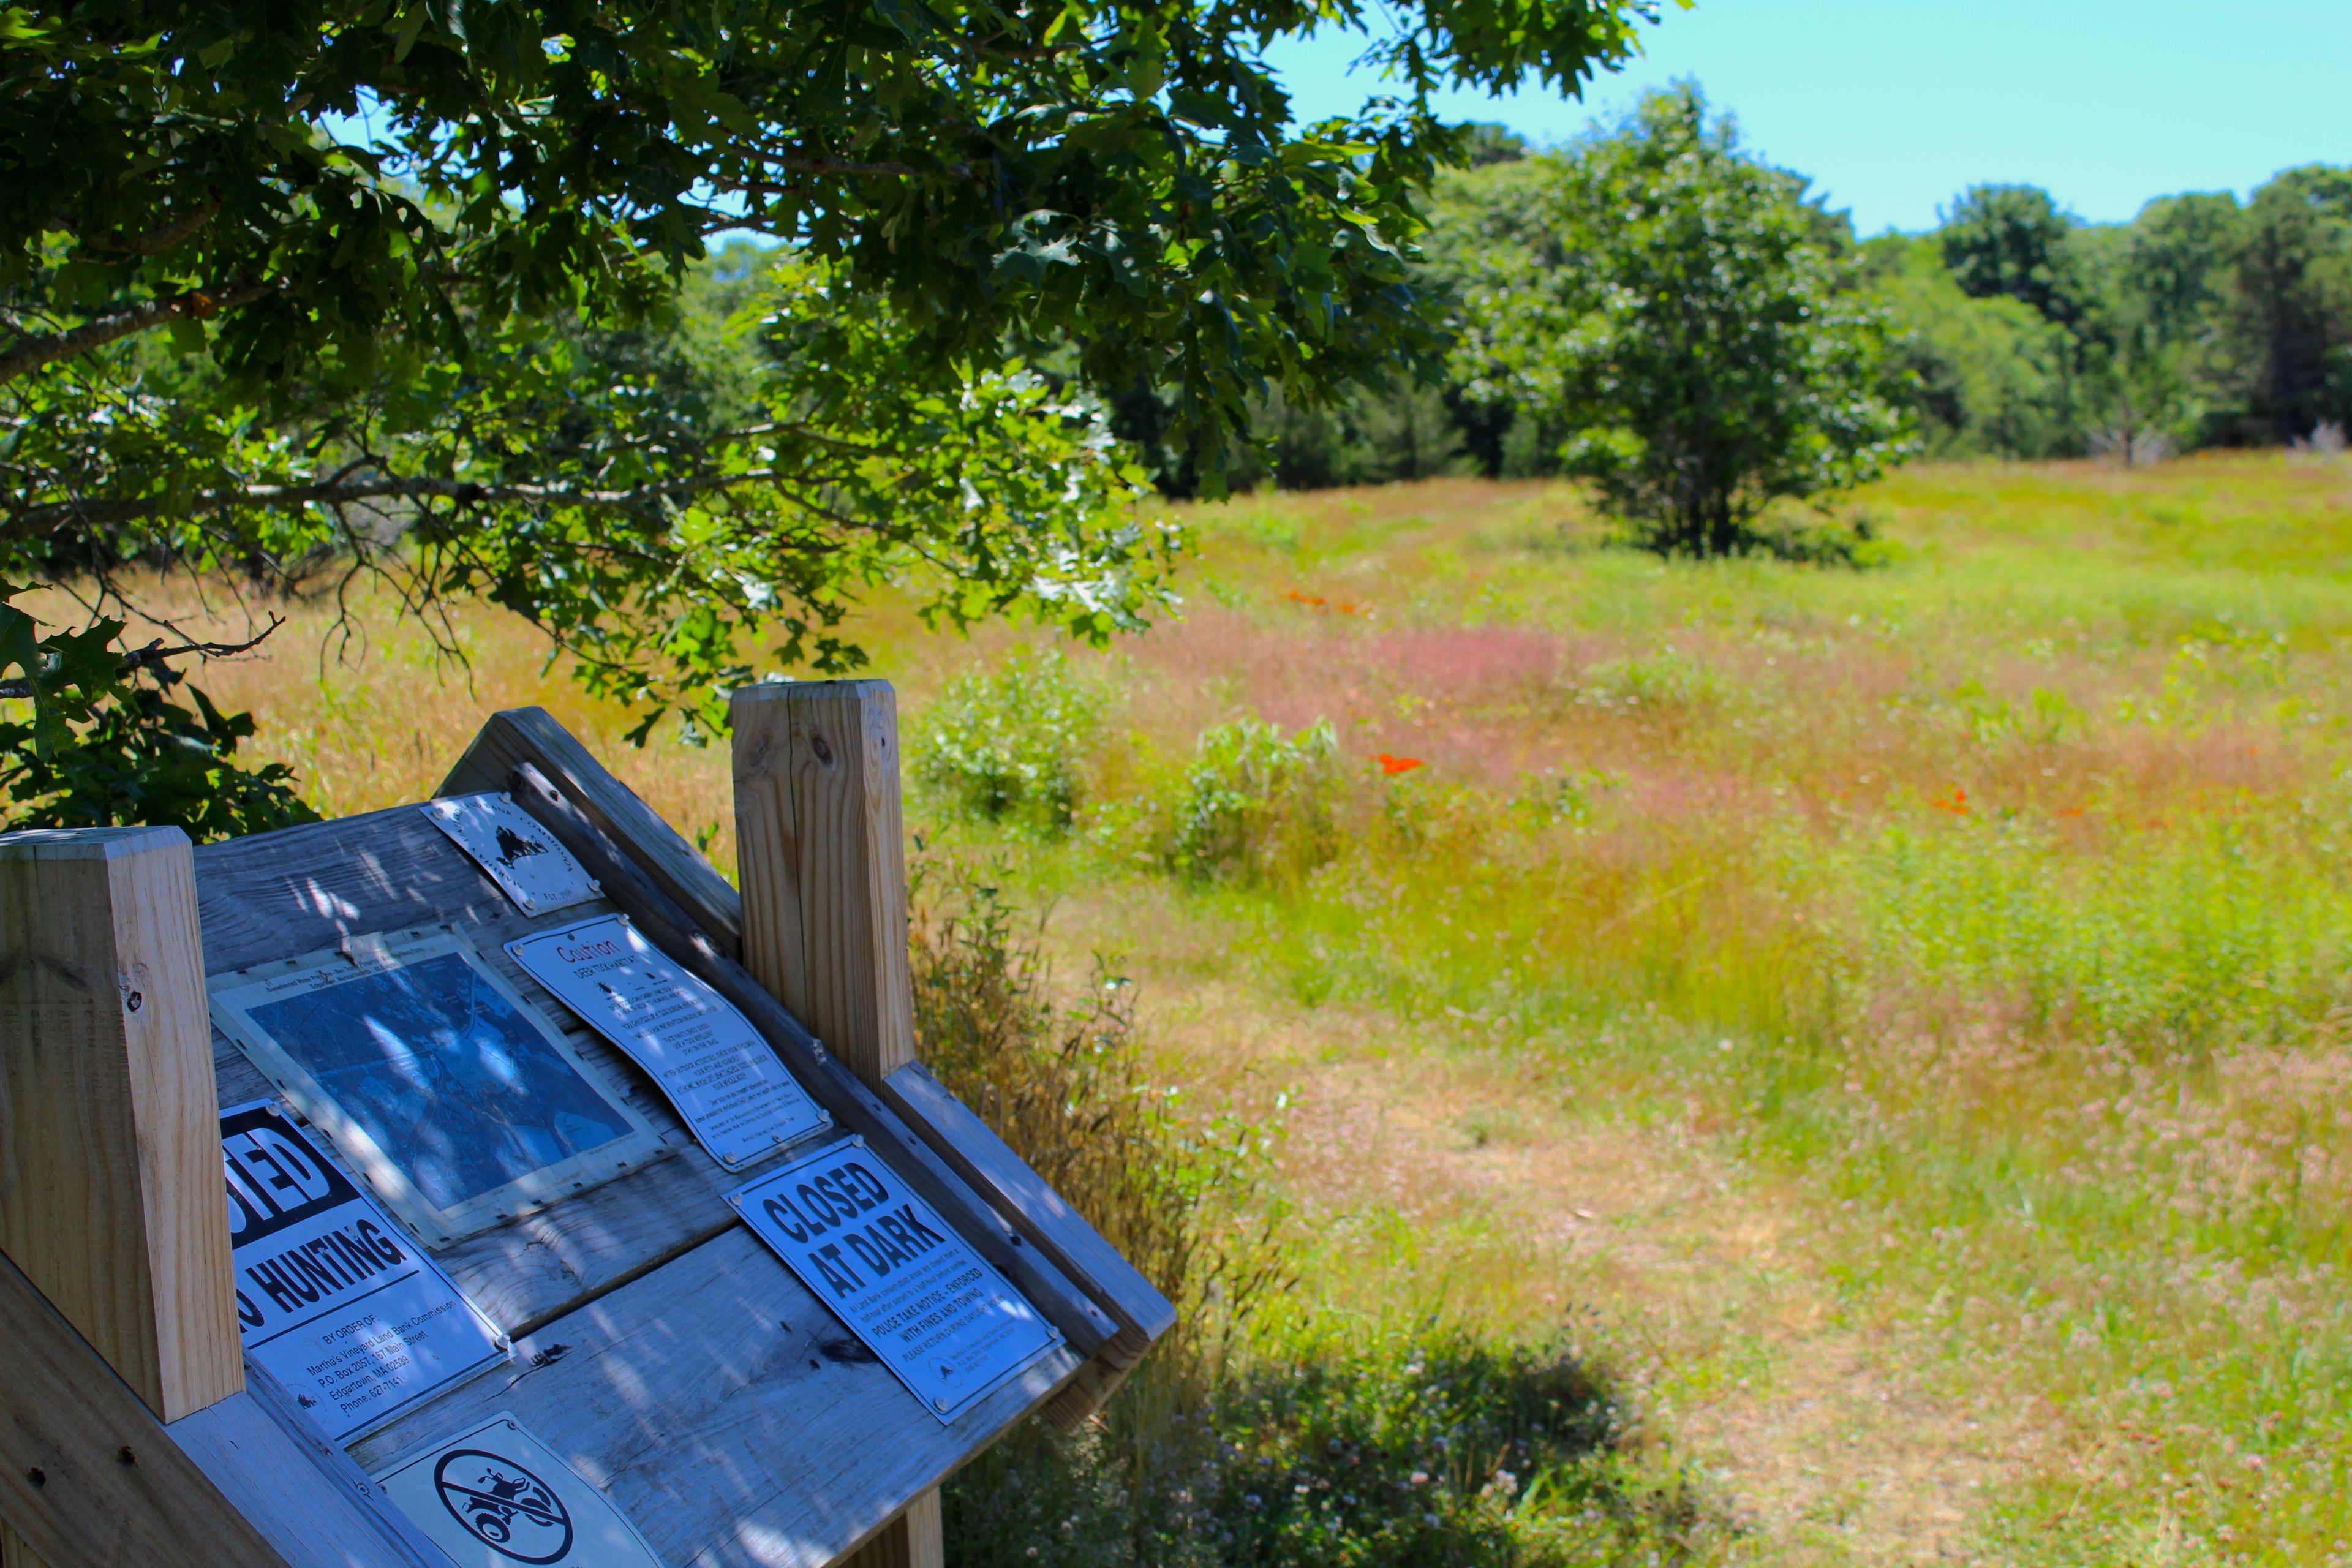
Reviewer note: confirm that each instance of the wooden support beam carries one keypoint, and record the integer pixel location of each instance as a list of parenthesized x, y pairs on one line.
[(974, 1152), (819, 843), (819, 836), (88, 1479), (109, 1129), (855, 1106), (302, 1492), (519, 735), (821, 856)]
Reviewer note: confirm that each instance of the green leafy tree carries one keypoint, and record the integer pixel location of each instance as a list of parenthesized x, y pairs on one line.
[(1986, 376), (2289, 305), (1680, 306), (2157, 322), (400, 288), (2013, 240)]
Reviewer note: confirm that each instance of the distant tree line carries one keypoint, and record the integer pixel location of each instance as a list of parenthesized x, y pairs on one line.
[(2013, 329)]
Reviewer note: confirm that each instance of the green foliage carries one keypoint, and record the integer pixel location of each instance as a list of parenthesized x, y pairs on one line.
[(1254, 1435), (1988, 374), (1430, 1449), (2199, 321), (2012, 241), (106, 746), (1256, 803), (2289, 310), (1372, 438), (306, 189), (1010, 745), (412, 290), (1675, 305)]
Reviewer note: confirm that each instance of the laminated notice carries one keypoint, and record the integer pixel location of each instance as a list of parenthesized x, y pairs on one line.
[(495, 1494), (896, 1275), (521, 856), (333, 1298), (726, 1082)]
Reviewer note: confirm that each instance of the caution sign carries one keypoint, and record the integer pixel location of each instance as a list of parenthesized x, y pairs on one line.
[(495, 1496), (896, 1275), (332, 1297), (522, 857), (742, 1104)]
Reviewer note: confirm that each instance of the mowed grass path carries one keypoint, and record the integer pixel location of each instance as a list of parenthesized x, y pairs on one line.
[(1896, 1014)]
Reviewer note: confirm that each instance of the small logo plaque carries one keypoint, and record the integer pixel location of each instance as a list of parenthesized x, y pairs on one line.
[(495, 1494)]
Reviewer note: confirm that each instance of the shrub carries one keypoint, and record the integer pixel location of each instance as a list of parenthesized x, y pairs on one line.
[(1255, 803), (1010, 746), (1421, 1447), (1069, 1086), (1317, 1441), (1685, 312)]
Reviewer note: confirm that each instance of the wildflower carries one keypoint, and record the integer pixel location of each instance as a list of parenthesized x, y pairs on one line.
[(1392, 767)]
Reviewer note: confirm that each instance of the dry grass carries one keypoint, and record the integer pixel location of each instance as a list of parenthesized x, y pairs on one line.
[(1928, 980)]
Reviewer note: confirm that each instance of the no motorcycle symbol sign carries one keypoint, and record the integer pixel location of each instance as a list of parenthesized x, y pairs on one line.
[(496, 1496), (503, 1505)]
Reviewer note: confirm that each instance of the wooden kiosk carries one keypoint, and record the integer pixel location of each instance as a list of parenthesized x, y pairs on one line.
[(670, 1360)]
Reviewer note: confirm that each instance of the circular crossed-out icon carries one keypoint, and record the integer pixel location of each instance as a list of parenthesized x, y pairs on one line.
[(503, 1505)]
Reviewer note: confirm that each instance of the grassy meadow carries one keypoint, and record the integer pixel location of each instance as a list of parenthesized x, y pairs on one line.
[(1743, 1061)]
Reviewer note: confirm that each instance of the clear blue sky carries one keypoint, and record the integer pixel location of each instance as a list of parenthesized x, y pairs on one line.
[(1895, 105)]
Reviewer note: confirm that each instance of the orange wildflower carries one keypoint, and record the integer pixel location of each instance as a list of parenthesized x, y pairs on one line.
[(1395, 765)]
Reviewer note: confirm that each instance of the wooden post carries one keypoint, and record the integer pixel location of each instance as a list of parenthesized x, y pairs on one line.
[(110, 1125), (110, 1170), (88, 1479), (822, 860)]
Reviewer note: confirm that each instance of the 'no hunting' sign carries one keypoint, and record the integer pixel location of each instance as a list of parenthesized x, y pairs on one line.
[(496, 1496)]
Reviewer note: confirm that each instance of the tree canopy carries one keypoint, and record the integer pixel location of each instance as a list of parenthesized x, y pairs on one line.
[(1683, 313), (396, 287)]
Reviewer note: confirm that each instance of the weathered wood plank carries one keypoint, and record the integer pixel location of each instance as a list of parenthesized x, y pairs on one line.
[(88, 1478), (1051, 1226), (303, 1495), (546, 1264), (855, 1106), (549, 1263), (531, 735), (109, 1189), (313, 889), (727, 1412), (273, 895)]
